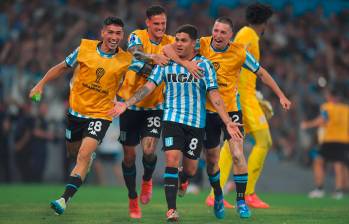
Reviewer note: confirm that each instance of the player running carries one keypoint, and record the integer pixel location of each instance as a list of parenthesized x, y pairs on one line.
[(99, 69), (228, 58), (184, 112)]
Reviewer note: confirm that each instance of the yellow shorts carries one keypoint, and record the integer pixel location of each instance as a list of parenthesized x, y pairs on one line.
[(253, 116)]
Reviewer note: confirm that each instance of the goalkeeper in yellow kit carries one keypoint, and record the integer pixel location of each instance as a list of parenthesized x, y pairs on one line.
[(255, 120)]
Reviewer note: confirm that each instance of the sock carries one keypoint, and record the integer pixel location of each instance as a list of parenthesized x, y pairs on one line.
[(130, 179), (149, 167), (215, 183), (74, 182), (171, 186), (225, 163), (240, 182)]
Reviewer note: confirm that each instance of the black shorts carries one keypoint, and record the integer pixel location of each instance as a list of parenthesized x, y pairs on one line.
[(135, 125), (215, 125), (182, 137), (335, 152), (78, 128)]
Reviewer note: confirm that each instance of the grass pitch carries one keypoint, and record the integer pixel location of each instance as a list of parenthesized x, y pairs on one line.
[(29, 204)]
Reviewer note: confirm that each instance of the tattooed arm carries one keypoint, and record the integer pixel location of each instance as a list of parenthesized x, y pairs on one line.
[(120, 107), (141, 93), (218, 104), (140, 55)]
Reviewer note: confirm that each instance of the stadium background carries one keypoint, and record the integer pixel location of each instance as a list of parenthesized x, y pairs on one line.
[(306, 48)]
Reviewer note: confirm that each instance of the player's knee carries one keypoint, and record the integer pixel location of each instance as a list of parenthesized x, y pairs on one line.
[(83, 156), (149, 145), (129, 157)]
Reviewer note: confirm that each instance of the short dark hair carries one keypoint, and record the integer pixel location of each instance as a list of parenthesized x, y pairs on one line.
[(154, 10), (113, 20), (226, 20), (191, 30), (258, 13)]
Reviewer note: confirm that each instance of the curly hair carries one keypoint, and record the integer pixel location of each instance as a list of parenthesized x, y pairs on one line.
[(258, 13)]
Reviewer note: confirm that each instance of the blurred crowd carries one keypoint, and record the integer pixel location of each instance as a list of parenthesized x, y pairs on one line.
[(306, 48)]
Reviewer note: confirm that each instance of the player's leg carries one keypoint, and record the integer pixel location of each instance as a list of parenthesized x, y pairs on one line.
[(129, 138), (92, 132), (173, 142), (339, 182), (319, 178), (213, 131), (150, 135), (256, 160)]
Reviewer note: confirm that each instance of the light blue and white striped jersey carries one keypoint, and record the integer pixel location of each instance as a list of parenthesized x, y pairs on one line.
[(185, 96)]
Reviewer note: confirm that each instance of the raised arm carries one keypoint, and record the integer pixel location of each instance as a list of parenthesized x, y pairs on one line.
[(269, 81), (53, 73), (316, 122), (218, 104)]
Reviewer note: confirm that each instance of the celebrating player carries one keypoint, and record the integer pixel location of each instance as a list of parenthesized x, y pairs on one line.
[(184, 112), (99, 68)]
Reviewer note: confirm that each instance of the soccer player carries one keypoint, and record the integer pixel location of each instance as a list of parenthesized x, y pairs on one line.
[(255, 122), (184, 112), (228, 59), (99, 68), (334, 121), (141, 123)]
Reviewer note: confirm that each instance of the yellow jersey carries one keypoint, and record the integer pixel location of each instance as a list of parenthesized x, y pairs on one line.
[(227, 63), (96, 79), (336, 128), (253, 115), (135, 81), (247, 82)]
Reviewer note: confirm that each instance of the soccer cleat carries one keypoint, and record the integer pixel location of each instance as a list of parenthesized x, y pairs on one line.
[(172, 215), (93, 157), (58, 206), (210, 202), (218, 207), (254, 201), (317, 193), (146, 191), (242, 209), (182, 189), (134, 209)]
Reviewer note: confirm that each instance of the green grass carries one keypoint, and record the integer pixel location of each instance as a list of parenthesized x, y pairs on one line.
[(27, 204)]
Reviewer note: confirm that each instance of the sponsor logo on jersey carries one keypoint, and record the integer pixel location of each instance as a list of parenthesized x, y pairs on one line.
[(182, 77)]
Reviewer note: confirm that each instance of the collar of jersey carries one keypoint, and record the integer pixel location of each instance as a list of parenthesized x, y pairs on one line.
[(218, 50), (105, 55)]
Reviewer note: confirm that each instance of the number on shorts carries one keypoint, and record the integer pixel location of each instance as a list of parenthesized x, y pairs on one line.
[(95, 126), (235, 118), (193, 143), (153, 121)]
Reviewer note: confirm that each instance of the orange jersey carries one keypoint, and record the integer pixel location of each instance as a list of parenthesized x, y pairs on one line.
[(96, 80), (228, 64), (336, 128), (135, 81)]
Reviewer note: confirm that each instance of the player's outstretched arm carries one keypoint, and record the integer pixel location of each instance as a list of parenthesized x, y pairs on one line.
[(120, 107), (269, 81), (317, 122), (191, 66), (51, 74), (218, 103)]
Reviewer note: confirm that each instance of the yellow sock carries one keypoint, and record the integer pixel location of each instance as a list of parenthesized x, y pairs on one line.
[(225, 163), (257, 157)]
